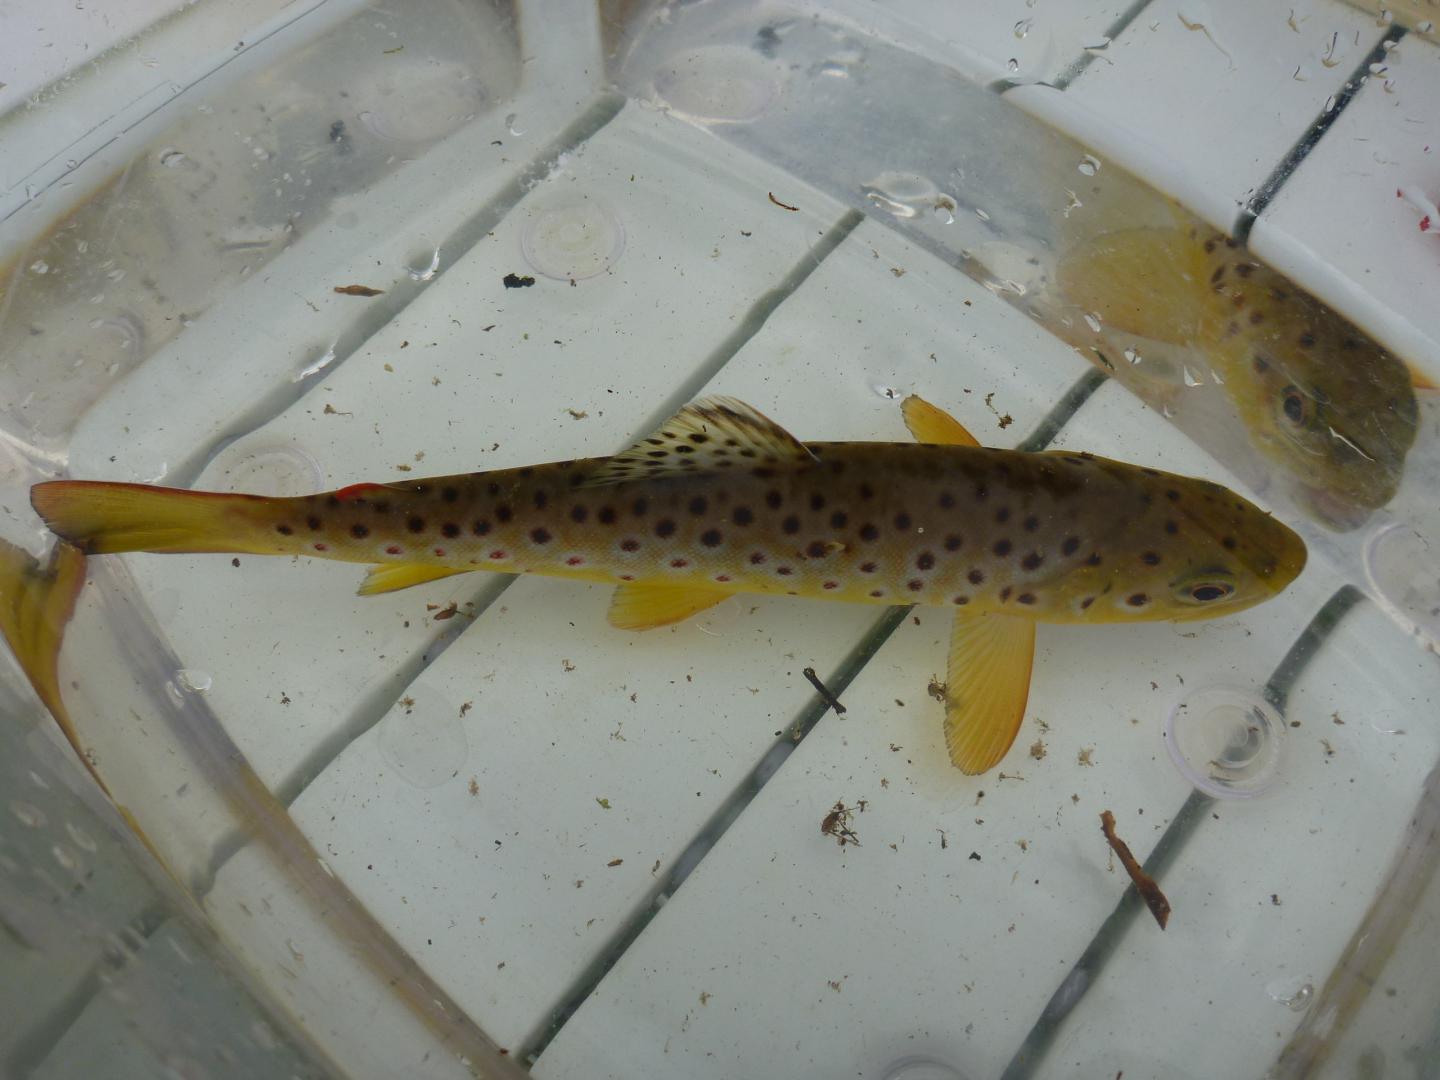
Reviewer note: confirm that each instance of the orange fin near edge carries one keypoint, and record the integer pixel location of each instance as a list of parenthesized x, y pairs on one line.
[(644, 605), (391, 578), (932, 424), (987, 687)]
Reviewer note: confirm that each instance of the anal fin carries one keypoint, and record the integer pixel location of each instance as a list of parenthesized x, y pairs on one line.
[(391, 577), (644, 605), (932, 424), (987, 686)]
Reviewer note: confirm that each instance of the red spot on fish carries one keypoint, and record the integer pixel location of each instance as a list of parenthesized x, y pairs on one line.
[(497, 554), (321, 547), (831, 585), (440, 552), (574, 560), (679, 564), (722, 577), (357, 491), (630, 544), (627, 577), (393, 549), (1425, 223), (757, 558)]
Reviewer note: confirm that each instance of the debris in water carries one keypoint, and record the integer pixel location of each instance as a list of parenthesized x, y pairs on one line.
[(825, 695), (516, 281), (837, 824), (1144, 883), (781, 205), (357, 290)]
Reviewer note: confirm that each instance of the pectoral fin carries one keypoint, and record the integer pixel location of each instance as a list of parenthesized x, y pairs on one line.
[(644, 605), (987, 685), (392, 577), (931, 424)]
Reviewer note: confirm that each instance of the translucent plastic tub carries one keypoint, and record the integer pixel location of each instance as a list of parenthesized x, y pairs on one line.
[(469, 828)]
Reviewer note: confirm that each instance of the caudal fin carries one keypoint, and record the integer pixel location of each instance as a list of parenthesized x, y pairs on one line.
[(101, 518), (36, 603)]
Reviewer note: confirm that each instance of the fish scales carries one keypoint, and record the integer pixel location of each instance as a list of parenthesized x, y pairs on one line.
[(1066, 537)]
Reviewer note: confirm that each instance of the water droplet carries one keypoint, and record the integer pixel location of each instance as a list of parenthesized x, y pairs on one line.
[(171, 158), (981, 214), (193, 680), (719, 84), (1189, 376), (65, 857), (905, 194), (1425, 27), (945, 210), (1012, 65), (1023, 27), (1294, 992), (1167, 410), (27, 813), (426, 272), (887, 392), (512, 124), (39, 266), (1133, 356), (1329, 103), (81, 839), (1092, 321), (1089, 165), (314, 367)]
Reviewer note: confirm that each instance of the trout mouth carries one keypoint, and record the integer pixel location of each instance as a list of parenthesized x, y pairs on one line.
[(1331, 509)]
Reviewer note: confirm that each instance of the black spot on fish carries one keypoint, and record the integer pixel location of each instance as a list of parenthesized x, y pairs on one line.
[(902, 521), (757, 558), (1026, 598), (1032, 561), (975, 577), (450, 529), (640, 506), (1217, 275), (1002, 515), (359, 531), (981, 490), (960, 601), (698, 505), (1031, 523), (711, 538), (1070, 546), (1086, 602), (664, 527), (578, 513), (1005, 593), (865, 491), (1257, 317), (416, 524), (449, 494), (1306, 340), (606, 515), (630, 544), (817, 549), (784, 571), (1094, 559), (480, 527), (1002, 548), (541, 500), (1138, 599), (947, 501), (839, 519), (313, 522), (817, 502), (791, 525), (1228, 543), (742, 515), (915, 584), (1172, 494), (1171, 528), (1245, 269), (540, 535), (699, 438), (925, 561), (773, 499), (284, 530), (953, 542), (1150, 558), (869, 532)]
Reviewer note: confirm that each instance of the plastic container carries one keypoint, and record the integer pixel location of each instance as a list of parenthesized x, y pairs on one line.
[(469, 828)]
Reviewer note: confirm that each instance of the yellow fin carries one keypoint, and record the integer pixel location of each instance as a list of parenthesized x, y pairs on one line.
[(392, 577), (1150, 282), (35, 607), (712, 433), (987, 686), (932, 424), (644, 605)]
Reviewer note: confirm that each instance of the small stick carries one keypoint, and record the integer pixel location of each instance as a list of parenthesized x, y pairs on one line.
[(781, 205), (1144, 883), (825, 695)]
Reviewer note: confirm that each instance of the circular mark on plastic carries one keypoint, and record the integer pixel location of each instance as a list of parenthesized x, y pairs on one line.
[(423, 738), (573, 240), (1401, 568), (1226, 742), (720, 84), (274, 470), (922, 1068)]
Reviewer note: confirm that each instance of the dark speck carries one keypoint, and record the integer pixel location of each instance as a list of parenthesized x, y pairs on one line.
[(515, 281)]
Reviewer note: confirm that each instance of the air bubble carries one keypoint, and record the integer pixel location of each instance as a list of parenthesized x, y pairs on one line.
[(193, 681), (172, 158), (905, 194), (1092, 321), (1295, 993), (889, 393), (65, 858), (314, 367), (512, 124), (1012, 65), (81, 839), (1133, 357), (428, 270), (1225, 742), (1189, 376), (1023, 27), (1089, 165), (39, 266)]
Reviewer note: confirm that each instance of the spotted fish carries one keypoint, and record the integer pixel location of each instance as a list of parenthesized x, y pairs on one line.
[(1320, 399), (721, 500)]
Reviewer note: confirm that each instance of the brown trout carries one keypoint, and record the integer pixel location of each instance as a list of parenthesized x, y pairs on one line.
[(722, 500), (1320, 399)]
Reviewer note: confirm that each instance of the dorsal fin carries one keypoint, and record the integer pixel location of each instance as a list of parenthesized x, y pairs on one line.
[(932, 424), (712, 433)]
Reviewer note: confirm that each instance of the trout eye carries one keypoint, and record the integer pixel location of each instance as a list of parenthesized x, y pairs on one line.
[(1204, 592), (1295, 405)]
